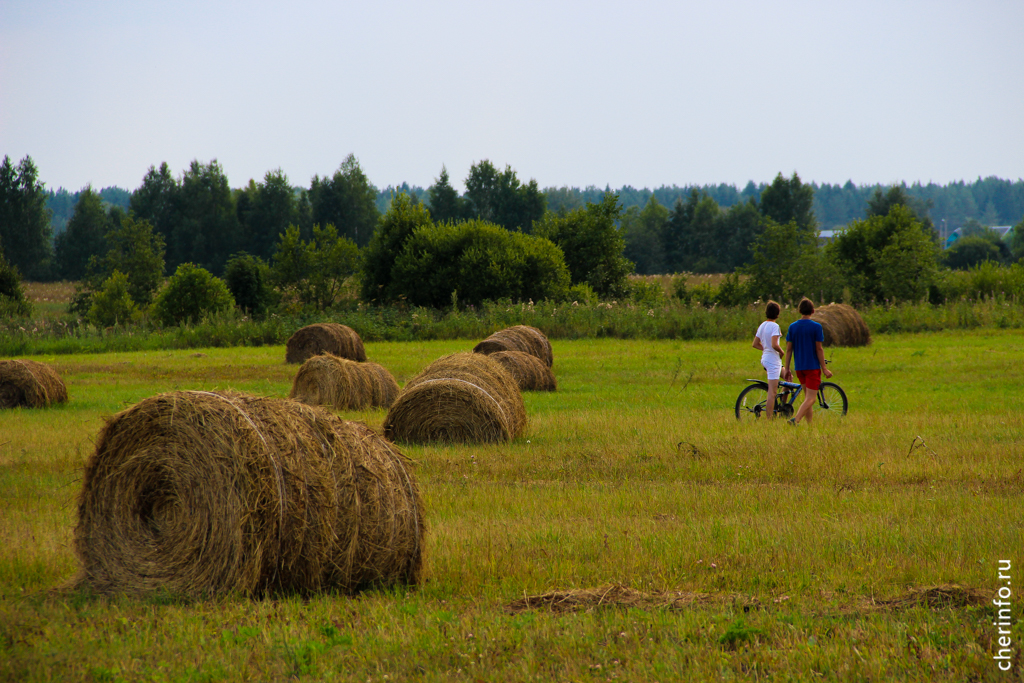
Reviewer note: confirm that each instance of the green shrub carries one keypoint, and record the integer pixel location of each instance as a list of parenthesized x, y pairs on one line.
[(112, 305), (12, 297), (476, 261), (191, 294), (679, 289), (582, 294), (646, 293), (248, 279)]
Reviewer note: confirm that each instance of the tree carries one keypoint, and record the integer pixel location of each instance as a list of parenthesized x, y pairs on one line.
[(158, 201), (25, 233), (191, 293), (394, 229), (1016, 238), (445, 203), (693, 239), (789, 200), (475, 261), (881, 203), (84, 237), (346, 200), (499, 198), (736, 231), (643, 235), (878, 257), (209, 231), (136, 251), (265, 210), (593, 247), (315, 271), (776, 258)]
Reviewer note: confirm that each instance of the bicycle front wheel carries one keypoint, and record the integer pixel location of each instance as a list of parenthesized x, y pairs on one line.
[(752, 402), (832, 400)]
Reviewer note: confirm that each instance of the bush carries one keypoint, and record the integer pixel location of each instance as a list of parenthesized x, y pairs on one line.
[(248, 279), (191, 294), (12, 297), (112, 304), (646, 293), (476, 261), (974, 249)]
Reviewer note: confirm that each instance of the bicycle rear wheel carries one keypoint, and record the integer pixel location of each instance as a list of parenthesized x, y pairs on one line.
[(752, 402), (831, 400)]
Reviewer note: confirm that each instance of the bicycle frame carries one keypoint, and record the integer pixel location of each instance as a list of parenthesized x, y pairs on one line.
[(785, 396)]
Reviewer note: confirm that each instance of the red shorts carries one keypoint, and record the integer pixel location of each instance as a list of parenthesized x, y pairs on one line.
[(811, 379)]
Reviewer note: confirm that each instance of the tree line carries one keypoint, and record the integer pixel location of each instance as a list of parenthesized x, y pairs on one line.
[(274, 243)]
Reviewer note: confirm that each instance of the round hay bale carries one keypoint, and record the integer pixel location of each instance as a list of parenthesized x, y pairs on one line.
[(30, 384), (529, 372), (312, 340), (518, 338), (327, 380), (202, 493), (461, 398), (842, 325)]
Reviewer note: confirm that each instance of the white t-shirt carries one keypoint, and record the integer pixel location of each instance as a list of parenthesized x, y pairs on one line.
[(765, 332)]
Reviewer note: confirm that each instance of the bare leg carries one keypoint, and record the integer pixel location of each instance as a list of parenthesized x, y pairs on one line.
[(810, 396), (773, 388)]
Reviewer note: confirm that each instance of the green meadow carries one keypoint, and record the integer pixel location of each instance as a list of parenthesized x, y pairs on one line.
[(636, 532)]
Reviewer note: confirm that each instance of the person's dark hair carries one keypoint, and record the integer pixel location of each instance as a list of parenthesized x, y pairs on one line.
[(806, 306), (772, 310)]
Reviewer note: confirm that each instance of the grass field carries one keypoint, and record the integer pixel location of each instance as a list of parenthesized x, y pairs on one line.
[(636, 532)]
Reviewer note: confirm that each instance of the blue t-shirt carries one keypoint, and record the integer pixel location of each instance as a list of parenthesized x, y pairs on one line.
[(803, 334)]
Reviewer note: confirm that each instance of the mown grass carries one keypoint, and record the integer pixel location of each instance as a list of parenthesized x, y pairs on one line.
[(633, 473)]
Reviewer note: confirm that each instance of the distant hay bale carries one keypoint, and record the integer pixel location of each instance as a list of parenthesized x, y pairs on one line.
[(461, 398), (842, 325), (327, 380), (30, 384), (518, 338), (199, 493), (530, 372), (312, 340)]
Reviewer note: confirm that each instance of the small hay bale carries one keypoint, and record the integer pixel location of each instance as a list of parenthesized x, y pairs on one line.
[(327, 380), (461, 398), (518, 338), (30, 384), (842, 325), (199, 493), (312, 340), (528, 371)]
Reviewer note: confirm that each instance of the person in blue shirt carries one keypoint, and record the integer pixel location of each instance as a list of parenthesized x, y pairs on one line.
[(803, 345)]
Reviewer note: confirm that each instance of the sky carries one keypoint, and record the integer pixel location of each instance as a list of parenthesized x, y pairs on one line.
[(644, 93)]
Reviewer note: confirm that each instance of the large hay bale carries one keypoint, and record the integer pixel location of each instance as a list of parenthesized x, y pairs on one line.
[(30, 384), (200, 493), (327, 380), (312, 340), (518, 338), (461, 398), (842, 325), (529, 372)]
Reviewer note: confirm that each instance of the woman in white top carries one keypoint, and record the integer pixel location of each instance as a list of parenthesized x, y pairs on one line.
[(766, 340)]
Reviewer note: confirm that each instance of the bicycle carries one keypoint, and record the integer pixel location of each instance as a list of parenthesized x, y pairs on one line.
[(753, 400)]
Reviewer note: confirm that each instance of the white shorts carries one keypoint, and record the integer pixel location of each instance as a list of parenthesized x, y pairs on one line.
[(773, 364)]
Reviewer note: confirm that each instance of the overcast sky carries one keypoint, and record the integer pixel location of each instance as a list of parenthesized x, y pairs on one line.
[(642, 93)]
